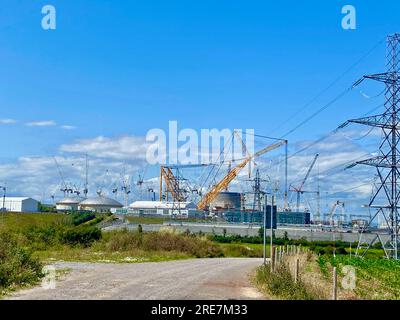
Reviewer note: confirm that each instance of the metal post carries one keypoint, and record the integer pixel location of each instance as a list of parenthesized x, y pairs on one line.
[(272, 222), (286, 176), (334, 289), (4, 199), (265, 231)]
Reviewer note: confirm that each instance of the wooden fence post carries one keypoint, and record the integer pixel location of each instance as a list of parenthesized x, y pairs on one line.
[(296, 270)]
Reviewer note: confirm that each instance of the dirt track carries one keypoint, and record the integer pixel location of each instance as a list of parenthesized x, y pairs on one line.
[(225, 278)]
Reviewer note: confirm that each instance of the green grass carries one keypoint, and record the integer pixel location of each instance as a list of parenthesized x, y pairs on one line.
[(23, 221), (66, 253), (381, 275)]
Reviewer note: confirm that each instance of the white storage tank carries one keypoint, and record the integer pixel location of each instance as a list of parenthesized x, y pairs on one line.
[(99, 204), (227, 200), (69, 203)]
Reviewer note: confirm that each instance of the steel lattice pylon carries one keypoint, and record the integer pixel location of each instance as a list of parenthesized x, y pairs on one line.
[(386, 196)]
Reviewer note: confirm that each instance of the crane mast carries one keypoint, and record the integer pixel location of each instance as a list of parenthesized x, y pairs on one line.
[(299, 190), (226, 180)]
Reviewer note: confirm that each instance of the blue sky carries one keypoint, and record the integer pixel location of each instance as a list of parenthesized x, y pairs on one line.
[(117, 68)]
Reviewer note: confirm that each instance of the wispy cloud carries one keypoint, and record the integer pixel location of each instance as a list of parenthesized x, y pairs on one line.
[(121, 148), (7, 121), (68, 127), (43, 123)]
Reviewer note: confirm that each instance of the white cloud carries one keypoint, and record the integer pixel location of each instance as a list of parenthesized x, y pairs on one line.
[(43, 123), (68, 127), (120, 148), (7, 121)]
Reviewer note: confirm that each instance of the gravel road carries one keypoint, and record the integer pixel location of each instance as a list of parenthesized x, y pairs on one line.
[(208, 279)]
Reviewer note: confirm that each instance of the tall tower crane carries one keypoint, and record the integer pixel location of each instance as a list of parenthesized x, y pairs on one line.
[(227, 179), (299, 190)]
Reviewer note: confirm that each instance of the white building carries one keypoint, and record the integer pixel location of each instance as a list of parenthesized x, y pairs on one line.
[(20, 204), (162, 208)]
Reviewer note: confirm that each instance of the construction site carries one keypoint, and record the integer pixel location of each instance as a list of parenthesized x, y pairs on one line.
[(210, 150)]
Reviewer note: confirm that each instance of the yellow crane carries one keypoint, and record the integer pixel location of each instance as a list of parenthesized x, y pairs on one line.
[(172, 185), (232, 174)]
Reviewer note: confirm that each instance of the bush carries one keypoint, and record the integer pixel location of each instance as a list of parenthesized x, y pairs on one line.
[(17, 267), (79, 218), (196, 246), (83, 236), (125, 240)]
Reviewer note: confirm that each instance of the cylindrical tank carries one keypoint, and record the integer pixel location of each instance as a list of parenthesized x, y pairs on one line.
[(227, 200)]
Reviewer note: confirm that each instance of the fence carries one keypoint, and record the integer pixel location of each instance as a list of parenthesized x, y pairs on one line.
[(291, 256)]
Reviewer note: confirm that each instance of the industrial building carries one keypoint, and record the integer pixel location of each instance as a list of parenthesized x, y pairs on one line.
[(256, 217), (99, 204), (293, 217), (163, 208), (19, 204), (69, 203)]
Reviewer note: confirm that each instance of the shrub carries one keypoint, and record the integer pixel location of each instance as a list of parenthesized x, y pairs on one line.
[(83, 236), (17, 267), (79, 218), (123, 240), (41, 237), (195, 246)]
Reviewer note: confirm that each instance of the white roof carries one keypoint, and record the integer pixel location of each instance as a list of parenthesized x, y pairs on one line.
[(71, 200), (160, 205), (17, 198), (101, 201)]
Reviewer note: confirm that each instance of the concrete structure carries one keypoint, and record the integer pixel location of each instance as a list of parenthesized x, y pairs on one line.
[(162, 208), (69, 203), (296, 233), (227, 200), (19, 204), (99, 204)]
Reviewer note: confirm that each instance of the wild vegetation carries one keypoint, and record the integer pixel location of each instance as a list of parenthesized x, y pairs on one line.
[(17, 266), (369, 278), (29, 240)]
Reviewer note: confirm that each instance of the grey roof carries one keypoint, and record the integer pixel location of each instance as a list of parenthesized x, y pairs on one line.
[(101, 201), (71, 200)]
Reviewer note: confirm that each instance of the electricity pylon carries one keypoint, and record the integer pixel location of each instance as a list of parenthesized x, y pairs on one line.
[(386, 196)]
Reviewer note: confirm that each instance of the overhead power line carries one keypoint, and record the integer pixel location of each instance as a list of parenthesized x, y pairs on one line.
[(305, 106)]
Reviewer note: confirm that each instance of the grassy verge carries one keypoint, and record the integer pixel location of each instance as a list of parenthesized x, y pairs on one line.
[(374, 278), (280, 284)]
